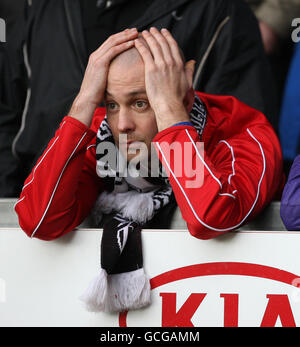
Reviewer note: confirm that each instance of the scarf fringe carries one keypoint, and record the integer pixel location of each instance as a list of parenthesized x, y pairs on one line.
[(95, 295), (117, 293), (128, 291)]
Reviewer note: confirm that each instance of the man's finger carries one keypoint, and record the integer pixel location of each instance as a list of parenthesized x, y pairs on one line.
[(154, 47), (116, 50), (173, 46), (117, 39), (144, 52), (164, 45)]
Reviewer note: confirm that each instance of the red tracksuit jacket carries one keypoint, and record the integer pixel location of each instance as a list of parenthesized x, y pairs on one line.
[(242, 172)]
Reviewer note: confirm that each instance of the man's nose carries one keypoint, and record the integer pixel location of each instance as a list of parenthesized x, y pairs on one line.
[(125, 122)]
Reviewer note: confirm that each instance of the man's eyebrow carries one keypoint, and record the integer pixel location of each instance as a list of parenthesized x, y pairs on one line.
[(132, 93)]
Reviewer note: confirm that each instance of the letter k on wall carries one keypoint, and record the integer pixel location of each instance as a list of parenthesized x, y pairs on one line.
[(182, 318)]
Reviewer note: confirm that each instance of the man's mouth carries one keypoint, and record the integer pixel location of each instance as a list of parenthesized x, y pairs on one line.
[(131, 143), (134, 144)]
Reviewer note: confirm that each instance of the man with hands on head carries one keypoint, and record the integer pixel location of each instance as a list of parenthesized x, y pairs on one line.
[(147, 89), (222, 36), (93, 87)]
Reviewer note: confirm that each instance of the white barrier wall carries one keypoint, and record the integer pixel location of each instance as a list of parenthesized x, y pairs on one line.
[(240, 279)]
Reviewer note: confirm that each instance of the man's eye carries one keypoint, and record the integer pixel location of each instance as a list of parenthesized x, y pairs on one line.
[(141, 104), (111, 106)]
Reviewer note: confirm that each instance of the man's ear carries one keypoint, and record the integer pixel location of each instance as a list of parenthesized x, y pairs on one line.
[(189, 99), (189, 71), (190, 95)]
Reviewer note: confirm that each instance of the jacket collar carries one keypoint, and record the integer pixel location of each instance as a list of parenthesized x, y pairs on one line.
[(156, 10)]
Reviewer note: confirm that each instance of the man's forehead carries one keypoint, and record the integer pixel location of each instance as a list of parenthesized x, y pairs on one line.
[(126, 80), (125, 94), (128, 93), (127, 58), (126, 75)]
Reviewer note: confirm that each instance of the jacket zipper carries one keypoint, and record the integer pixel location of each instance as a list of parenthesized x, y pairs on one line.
[(25, 110)]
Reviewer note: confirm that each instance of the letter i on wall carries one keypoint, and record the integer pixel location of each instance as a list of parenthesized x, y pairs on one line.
[(2, 30)]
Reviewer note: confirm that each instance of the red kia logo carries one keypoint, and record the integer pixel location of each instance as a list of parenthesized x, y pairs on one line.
[(278, 305)]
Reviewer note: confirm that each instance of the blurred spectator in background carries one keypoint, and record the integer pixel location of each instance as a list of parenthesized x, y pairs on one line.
[(13, 86), (289, 128), (275, 22), (290, 202), (43, 63), (275, 18)]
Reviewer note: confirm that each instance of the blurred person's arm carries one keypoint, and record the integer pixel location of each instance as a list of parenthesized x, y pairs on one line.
[(290, 202), (275, 18), (269, 37)]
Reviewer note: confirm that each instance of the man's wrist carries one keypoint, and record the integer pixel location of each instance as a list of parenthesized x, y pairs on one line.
[(83, 110), (183, 123), (169, 115)]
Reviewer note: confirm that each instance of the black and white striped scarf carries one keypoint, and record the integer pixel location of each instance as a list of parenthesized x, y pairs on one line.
[(129, 202)]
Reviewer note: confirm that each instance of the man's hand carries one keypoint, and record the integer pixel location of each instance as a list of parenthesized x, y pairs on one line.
[(269, 37), (167, 79), (93, 86)]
